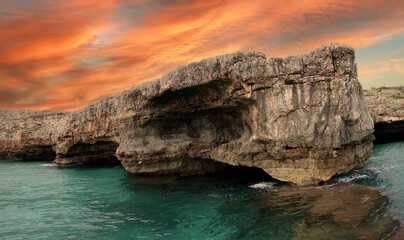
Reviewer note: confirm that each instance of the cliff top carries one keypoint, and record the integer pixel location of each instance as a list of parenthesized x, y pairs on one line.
[(324, 60), (24, 113), (386, 103)]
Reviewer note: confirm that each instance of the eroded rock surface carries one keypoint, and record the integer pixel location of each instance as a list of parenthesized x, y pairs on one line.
[(387, 109), (28, 134), (301, 119)]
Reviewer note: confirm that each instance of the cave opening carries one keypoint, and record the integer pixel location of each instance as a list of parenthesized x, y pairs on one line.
[(241, 177), (247, 174), (200, 169), (218, 171), (98, 153), (386, 132), (35, 153)]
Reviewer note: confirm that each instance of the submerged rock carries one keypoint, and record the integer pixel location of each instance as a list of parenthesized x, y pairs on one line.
[(301, 119), (342, 211)]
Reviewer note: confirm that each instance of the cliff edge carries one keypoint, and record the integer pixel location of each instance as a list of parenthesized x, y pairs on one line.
[(386, 106), (301, 119)]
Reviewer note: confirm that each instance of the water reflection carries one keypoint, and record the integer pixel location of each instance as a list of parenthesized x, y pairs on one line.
[(339, 211), (230, 208), (38, 202), (233, 208)]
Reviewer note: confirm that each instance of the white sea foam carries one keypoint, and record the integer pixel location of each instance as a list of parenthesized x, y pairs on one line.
[(49, 164), (352, 178), (383, 168), (263, 185)]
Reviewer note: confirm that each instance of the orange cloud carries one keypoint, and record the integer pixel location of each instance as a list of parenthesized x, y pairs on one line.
[(39, 42), (63, 55)]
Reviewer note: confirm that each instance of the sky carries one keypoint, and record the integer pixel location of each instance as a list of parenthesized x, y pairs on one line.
[(63, 54)]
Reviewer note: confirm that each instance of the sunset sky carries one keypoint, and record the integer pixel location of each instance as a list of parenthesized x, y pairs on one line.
[(63, 54)]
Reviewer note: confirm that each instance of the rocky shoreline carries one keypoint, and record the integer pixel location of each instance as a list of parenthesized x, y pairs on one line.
[(301, 119), (387, 108)]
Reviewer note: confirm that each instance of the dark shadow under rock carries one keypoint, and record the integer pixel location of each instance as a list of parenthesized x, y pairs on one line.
[(386, 132), (99, 153)]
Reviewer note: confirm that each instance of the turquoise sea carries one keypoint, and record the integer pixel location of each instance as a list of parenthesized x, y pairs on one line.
[(38, 201)]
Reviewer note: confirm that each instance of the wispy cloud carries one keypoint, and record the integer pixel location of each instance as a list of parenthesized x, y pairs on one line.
[(383, 73), (63, 54)]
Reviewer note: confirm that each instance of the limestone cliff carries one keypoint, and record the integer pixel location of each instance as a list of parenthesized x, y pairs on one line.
[(387, 109), (301, 119), (28, 134)]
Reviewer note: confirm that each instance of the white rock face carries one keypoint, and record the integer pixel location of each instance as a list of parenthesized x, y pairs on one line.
[(301, 119)]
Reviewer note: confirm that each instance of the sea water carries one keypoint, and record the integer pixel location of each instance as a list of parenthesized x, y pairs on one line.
[(38, 201)]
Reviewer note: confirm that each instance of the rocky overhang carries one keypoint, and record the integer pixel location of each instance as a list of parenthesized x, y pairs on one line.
[(301, 119)]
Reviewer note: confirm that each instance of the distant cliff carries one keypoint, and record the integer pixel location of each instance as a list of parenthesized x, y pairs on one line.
[(387, 109), (301, 119)]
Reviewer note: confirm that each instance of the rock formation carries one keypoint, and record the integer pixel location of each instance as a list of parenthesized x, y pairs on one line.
[(341, 211), (387, 109), (28, 134), (301, 119)]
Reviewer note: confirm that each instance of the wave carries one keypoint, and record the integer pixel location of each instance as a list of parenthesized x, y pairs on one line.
[(49, 164), (263, 185), (352, 178)]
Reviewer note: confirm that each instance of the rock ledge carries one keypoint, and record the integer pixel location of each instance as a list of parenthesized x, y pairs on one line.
[(302, 119), (386, 106)]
